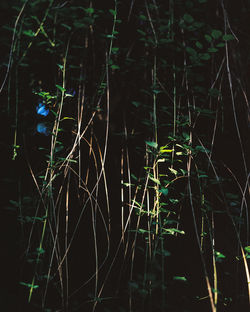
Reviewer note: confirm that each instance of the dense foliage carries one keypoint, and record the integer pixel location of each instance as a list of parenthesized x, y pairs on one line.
[(125, 177)]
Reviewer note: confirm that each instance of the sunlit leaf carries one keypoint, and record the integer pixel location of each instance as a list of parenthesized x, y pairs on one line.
[(247, 249), (180, 278), (173, 231), (142, 231), (29, 33), (154, 180), (152, 144), (115, 67), (29, 285), (60, 88), (113, 12), (173, 171)]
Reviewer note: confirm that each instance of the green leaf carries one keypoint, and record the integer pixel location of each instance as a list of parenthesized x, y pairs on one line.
[(39, 219), (142, 17), (58, 148), (173, 231), (219, 255), (110, 36), (186, 136), (202, 149), (137, 204), (29, 33), (164, 191), (134, 177), (40, 251), (204, 56), (80, 25), (9, 28), (188, 18), (14, 203), (162, 151), (89, 10), (67, 118), (247, 249), (141, 32), (198, 24), (152, 144), (184, 172), (199, 45), (202, 176), (216, 34), (228, 37), (180, 278), (115, 50), (155, 91), (29, 285), (133, 285), (115, 67), (60, 66), (154, 180), (60, 88), (113, 12), (127, 184), (208, 38), (191, 51), (173, 200), (173, 171), (66, 26), (220, 45), (142, 231), (212, 50), (136, 104)]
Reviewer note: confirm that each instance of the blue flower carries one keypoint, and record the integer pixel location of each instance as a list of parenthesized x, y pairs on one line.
[(43, 128), (41, 109)]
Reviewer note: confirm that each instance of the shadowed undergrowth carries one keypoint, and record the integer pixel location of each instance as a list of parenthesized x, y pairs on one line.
[(126, 180)]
